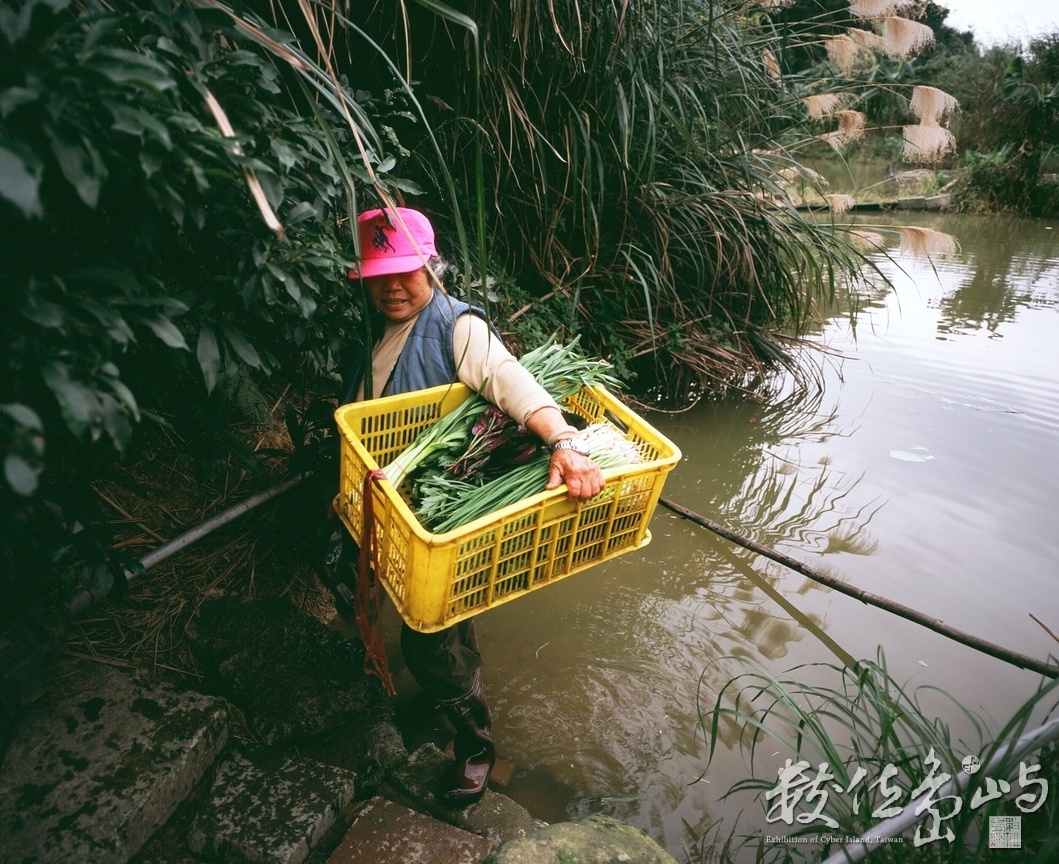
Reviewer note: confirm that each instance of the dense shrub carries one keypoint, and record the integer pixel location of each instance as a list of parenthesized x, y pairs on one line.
[(140, 283)]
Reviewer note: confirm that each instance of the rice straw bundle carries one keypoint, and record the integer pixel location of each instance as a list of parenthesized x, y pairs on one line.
[(927, 142), (903, 37), (930, 103), (839, 203), (926, 242)]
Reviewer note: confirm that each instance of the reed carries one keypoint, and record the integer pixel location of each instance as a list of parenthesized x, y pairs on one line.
[(865, 726)]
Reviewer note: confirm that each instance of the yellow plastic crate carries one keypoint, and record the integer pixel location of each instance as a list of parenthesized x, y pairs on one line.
[(436, 580)]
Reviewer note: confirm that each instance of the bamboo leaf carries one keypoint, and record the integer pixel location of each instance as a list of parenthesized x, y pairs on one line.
[(19, 475), (209, 356), (20, 183)]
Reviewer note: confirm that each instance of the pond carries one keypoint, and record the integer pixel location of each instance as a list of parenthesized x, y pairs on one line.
[(924, 472)]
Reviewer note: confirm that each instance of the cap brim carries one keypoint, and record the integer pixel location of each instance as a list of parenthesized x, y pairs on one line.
[(386, 266)]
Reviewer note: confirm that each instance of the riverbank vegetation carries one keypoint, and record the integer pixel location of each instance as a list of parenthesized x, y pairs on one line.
[(177, 183), (179, 180), (1004, 122)]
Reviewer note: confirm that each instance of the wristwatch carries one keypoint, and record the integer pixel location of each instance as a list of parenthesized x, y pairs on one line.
[(574, 443)]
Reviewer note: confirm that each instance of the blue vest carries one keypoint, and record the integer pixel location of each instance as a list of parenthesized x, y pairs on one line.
[(426, 359)]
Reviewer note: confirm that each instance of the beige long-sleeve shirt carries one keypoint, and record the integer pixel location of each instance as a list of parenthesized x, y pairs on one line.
[(480, 358)]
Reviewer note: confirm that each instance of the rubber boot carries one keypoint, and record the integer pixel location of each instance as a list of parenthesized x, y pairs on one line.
[(473, 747)]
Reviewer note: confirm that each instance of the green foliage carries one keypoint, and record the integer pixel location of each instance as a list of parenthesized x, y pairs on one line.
[(140, 281), (177, 184), (1008, 123)]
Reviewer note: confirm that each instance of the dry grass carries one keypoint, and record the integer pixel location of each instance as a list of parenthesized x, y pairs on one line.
[(866, 38), (931, 104), (927, 142), (851, 127), (878, 8), (819, 105), (153, 500), (927, 243), (903, 37), (849, 55), (839, 203), (772, 65)]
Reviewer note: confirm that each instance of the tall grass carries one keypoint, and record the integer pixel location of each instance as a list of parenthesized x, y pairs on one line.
[(624, 173), (866, 727), (623, 162)]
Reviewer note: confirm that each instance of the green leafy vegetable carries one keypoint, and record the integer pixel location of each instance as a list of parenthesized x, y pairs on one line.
[(446, 503), (560, 369)]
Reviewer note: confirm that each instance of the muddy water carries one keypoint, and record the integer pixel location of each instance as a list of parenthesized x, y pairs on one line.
[(927, 471)]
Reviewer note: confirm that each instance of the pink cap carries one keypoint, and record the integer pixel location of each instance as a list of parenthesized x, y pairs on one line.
[(393, 241)]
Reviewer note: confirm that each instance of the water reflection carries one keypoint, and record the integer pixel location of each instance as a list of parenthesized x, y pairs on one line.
[(766, 490), (1011, 276), (599, 680)]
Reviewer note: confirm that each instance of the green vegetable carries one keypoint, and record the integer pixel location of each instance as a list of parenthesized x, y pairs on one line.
[(559, 369), (446, 504), (447, 437)]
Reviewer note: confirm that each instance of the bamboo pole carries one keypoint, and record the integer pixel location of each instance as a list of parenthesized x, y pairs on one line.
[(85, 599), (931, 623)]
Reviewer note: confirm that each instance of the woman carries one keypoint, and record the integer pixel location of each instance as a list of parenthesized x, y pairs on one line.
[(430, 338)]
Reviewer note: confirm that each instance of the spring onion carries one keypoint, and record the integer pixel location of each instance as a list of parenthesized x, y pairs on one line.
[(446, 504), (560, 369)]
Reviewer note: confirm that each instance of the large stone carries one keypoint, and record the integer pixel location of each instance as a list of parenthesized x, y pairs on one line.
[(288, 673), (101, 763), (595, 840), (266, 808), (385, 832)]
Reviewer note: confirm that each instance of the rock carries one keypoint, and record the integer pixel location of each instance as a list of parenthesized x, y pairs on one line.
[(386, 833), (369, 747), (287, 672), (266, 808), (595, 840), (496, 817), (96, 768)]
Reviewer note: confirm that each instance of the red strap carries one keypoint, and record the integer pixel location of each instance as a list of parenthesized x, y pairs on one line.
[(367, 596)]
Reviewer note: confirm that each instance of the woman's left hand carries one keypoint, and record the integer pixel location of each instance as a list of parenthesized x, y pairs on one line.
[(581, 475)]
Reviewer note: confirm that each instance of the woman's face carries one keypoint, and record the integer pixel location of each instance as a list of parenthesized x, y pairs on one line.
[(400, 296)]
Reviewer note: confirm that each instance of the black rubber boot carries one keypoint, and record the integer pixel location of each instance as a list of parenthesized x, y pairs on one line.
[(473, 747)]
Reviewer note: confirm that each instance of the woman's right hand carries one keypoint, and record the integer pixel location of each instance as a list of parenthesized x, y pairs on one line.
[(581, 475)]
